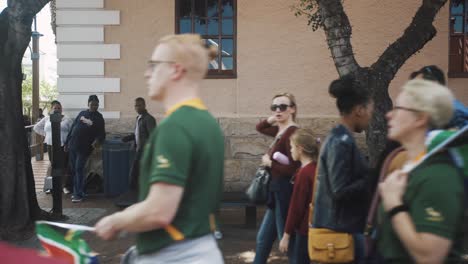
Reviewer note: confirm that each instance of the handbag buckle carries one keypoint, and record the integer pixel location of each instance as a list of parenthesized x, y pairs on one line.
[(331, 250)]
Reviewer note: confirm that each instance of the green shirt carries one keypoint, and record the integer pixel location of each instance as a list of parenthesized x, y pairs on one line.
[(186, 149), (434, 194)]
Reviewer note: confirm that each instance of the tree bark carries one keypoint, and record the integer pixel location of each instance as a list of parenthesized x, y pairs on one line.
[(18, 202), (377, 78)]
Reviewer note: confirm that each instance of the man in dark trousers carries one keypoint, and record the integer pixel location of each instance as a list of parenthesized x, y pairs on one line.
[(145, 123)]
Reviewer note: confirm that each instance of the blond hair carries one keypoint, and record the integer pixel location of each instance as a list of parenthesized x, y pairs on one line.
[(191, 51), (292, 101), (305, 139), (431, 98)]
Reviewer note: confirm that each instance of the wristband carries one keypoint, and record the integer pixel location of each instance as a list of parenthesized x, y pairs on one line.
[(397, 209)]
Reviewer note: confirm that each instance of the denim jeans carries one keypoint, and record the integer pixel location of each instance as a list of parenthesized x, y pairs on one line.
[(359, 248), (272, 227), (77, 164)]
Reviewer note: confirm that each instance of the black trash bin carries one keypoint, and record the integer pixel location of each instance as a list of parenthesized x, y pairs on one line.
[(117, 158)]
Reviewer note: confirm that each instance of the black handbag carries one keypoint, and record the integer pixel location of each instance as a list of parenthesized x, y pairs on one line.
[(258, 189)]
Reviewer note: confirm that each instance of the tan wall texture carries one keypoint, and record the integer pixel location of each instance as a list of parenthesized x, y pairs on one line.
[(276, 52)]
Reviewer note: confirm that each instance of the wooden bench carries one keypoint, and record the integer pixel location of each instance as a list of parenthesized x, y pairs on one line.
[(239, 199)]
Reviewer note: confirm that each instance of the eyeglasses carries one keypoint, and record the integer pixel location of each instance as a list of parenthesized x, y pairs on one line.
[(281, 107), (406, 109), (154, 63)]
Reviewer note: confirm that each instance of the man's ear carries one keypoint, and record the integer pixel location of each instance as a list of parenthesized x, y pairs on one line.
[(178, 71)]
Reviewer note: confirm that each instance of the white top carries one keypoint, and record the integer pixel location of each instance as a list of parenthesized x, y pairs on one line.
[(44, 128)]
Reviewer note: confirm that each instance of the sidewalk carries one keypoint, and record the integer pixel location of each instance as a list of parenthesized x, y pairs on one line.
[(237, 244)]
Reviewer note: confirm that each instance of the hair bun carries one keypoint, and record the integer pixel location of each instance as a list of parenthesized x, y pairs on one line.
[(342, 87)]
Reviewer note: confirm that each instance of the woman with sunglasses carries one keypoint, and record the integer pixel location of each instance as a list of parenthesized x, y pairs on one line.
[(280, 125), (421, 215), (342, 193)]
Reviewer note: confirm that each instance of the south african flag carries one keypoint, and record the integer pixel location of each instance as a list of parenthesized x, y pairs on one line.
[(64, 241)]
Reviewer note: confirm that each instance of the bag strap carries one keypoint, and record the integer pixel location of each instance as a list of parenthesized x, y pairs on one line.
[(312, 201), (376, 197)]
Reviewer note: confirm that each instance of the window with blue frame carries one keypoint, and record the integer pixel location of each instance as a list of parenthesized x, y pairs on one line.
[(458, 42), (215, 21)]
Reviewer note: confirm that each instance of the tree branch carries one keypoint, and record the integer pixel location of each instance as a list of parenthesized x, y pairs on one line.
[(338, 31), (416, 35)]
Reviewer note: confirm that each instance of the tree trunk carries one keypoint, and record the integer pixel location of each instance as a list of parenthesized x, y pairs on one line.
[(18, 202), (378, 77)]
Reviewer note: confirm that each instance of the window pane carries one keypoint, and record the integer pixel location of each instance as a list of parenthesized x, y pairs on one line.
[(456, 9), (213, 27), (185, 25), (227, 8), (226, 45), (184, 7), (200, 26), (227, 26), (227, 63), (212, 8), (213, 65), (200, 8), (457, 24)]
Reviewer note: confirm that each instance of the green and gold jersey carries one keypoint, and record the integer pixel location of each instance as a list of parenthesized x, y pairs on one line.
[(434, 195), (186, 149)]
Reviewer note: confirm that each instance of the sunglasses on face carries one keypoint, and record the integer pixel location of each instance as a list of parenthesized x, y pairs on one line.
[(281, 107)]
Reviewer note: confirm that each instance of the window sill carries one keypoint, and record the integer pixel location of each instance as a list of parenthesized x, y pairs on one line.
[(458, 74)]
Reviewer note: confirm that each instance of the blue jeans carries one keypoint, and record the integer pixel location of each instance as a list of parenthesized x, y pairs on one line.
[(359, 248), (77, 164), (299, 253), (272, 227)]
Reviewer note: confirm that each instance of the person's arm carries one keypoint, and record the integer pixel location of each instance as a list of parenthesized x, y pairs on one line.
[(150, 124), (70, 132), (340, 168), (100, 132), (156, 211), (296, 210), (39, 127), (267, 128), (429, 238)]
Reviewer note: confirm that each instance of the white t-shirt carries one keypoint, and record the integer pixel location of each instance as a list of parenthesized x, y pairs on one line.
[(44, 128)]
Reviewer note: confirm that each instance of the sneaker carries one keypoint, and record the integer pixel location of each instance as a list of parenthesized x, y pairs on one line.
[(77, 200), (48, 191), (66, 191)]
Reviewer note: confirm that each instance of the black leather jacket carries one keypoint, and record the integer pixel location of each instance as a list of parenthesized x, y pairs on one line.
[(342, 196)]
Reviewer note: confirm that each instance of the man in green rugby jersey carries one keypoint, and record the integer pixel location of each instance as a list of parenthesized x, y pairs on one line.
[(181, 171)]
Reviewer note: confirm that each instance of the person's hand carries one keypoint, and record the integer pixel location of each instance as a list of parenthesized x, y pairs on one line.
[(106, 227), (271, 120), (266, 161), (392, 189), (284, 243), (65, 148)]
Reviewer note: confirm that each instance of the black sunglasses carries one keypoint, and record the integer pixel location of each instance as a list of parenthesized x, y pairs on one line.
[(281, 107)]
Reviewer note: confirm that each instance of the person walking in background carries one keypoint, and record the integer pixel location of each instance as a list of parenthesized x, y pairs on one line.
[(44, 128), (343, 193), (304, 148), (434, 73), (145, 123), (280, 125), (421, 213), (86, 134), (181, 173)]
